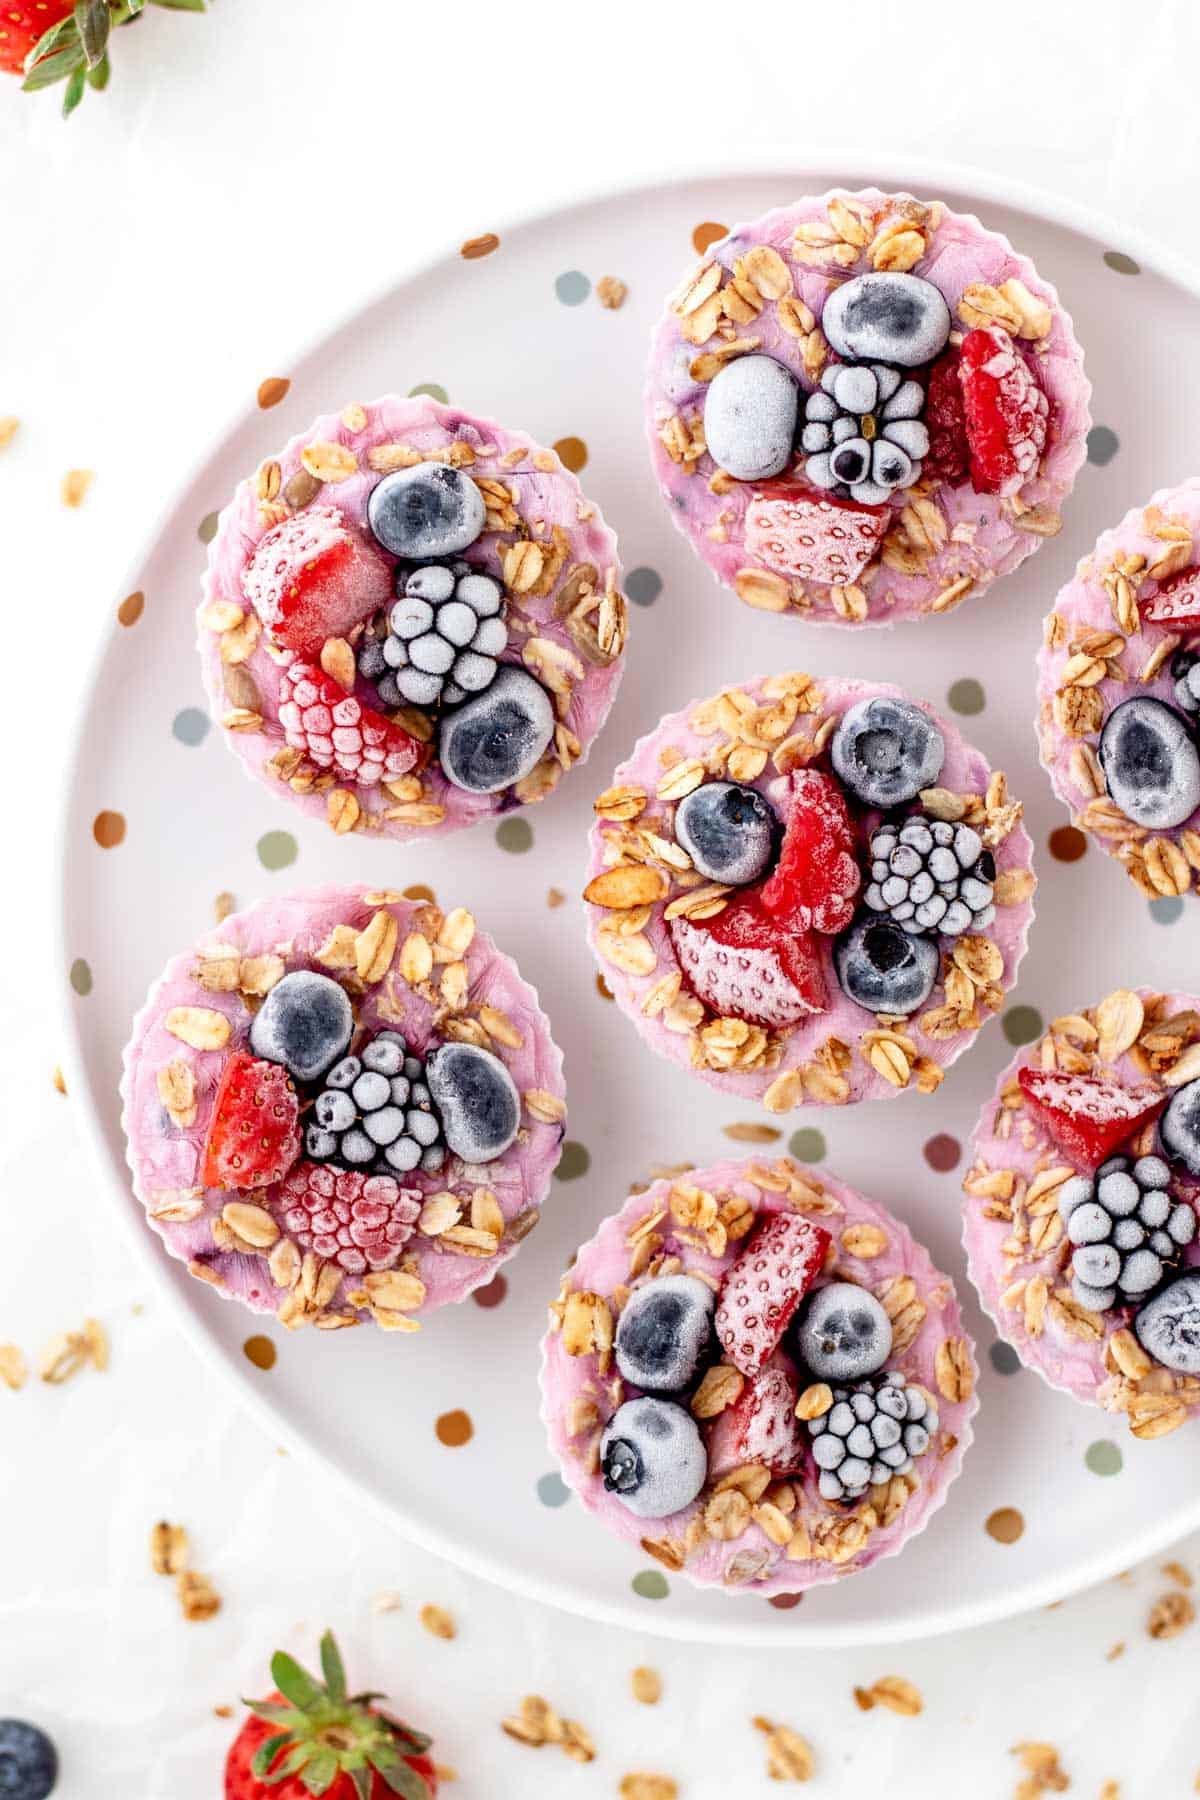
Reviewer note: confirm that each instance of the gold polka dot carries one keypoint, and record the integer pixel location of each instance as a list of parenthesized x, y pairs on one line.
[(603, 989), (108, 829), (1005, 1525), (273, 390), (476, 247), (420, 892), (261, 1352), (131, 608), (1067, 843), (572, 453), (454, 1429), (707, 234)]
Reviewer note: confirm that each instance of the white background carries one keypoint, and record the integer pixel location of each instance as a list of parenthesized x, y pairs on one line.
[(248, 178)]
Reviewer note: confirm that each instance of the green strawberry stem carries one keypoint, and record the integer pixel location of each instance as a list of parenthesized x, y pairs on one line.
[(75, 51)]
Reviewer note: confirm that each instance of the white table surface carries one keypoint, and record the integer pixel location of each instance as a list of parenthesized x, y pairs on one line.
[(156, 260)]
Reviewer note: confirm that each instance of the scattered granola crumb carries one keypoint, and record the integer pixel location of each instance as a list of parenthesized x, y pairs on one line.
[(444, 1772), (169, 1548), (223, 905), (1111, 1790), (223, 1711), (75, 484), (1043, 1771), (1170, 1615), (647, 1686), (536, 1723), (198, 1598), (892, 1691), (641, 1786), (1175, 1571), (9, 425), (789, 1756), (386, 1601), (554, 897), (14, 1370), (611, 292), (1115, 1650), (438, 1622), (752, 1133), (60, 1080), (70, 1351)]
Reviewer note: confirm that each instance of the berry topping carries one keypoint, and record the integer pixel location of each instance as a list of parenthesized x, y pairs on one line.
[(375, 1111), (750, 417), (884, 968), (729, 831), (312, 1738), (1005, 411), (28, 1761), (664, 1331), (863, 432), (1088, 1116), (927, 875), (797, 530), (949, 454), (782, 1258), (652, 1457), (745, 965), (1179, 1128), (885, 751), (760, 1427), (1185, 672), (305, 1023), (1150, 762), (355, 1220), (444, 635), (843, 1333), (477, 1099), (336, 731), (498, 737), (1126, 1229), (314, 577), (428, 510), (887, 318), (1177, 602), (869, 1433), (816, 877), (1168, 1327), (254, 1134)]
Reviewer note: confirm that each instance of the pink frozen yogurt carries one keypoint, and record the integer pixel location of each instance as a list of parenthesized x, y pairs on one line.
[(1126, 1059), (382, 1216), (488, 683), (764, 1008), (864, 408), (774, 1503), (1127, 628)]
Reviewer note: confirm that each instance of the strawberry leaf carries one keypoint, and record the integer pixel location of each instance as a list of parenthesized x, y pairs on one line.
[(181, 5), (273, 1712), (74, 91), (333, 1669), (362, 1783), (94, 20), (98, 77), (55, 39), (49, 69), (292, 1764), (295, 1683), (322, 1771), (267, 1751), (397, 1777)]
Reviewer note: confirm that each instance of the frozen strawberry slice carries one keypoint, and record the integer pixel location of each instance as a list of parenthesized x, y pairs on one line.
[(1088, 1116), (315, 577), (1177, 602), (760, 1427), (948, 456), (254, 1135), (782, 1258), (336, 731), (744, 964), (816, 878), (801, 531), (1005, 410)]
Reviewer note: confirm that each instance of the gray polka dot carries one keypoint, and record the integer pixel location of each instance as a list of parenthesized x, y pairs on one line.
[(1166, 910), (206, 531), (1102, 445), (1004, 1359), (1124, 265), (190, 726), (643, 586), (572, 287)]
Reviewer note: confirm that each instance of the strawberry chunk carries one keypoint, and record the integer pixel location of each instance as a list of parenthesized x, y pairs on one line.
[(1177, 602), (315, 577), (336, 731), (948, 457), (1088, 1116), (760, 1427), (816, 878), (1005, 411), (254, 1134), (798, 530), (782, 1259), (744, 965)]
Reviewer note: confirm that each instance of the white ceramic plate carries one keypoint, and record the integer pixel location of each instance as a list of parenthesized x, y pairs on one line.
[(496, 335)]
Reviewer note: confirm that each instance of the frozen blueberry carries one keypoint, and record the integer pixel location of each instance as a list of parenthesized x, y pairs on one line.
[(385, 1125), (477, 1099), (490, 742), (750, 414), (28, 1761), (305, 1023), (403, 1155), (1168, 1327), (334, 1110), (1179, 1127), (664, 1331), (843, 1333), (428, 510), (1185, 672), (885, 751), (385, 1053), (1151, 765), (884, 968), (729, 831), (652, 1457), (356, 1148), (887, 318)]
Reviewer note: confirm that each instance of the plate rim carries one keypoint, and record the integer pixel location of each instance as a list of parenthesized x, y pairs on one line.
[(829, 168)]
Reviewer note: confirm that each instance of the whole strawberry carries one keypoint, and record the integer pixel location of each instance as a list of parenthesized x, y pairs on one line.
[(314, 1738), (49, 41)]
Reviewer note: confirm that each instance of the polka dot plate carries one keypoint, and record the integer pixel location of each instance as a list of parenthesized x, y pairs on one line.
[(441, 1430)]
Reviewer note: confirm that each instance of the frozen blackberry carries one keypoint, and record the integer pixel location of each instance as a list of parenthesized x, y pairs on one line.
[(1185, 673), (375, 1112), (1126, 1228), (929, 876), (870, 1432), (445, 634)]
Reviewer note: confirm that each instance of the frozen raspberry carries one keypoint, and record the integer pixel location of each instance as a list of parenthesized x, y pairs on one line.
[(816, 877), (948, 456), (782, 1258), (760, 1427), (1088, 1116), (1177, 602), (1005, 410), (358, 1221), (314, 577), (795, 530), (254, 1135), (744, 965), (336, 731)]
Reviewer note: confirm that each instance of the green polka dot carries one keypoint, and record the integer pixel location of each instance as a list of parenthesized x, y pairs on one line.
[(206, 530), (81, 977), (573, 1162), (277, 849), (1122, 264), (190, 726), (807, 1145), (552, 1490), (643, 586), (573, 287), (434, 389), (1166, 909), (1022, 1024), (1104, 1457), (1004, 1359), (1102, 445), (515, 835), (967, 696), (651, 1584)]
